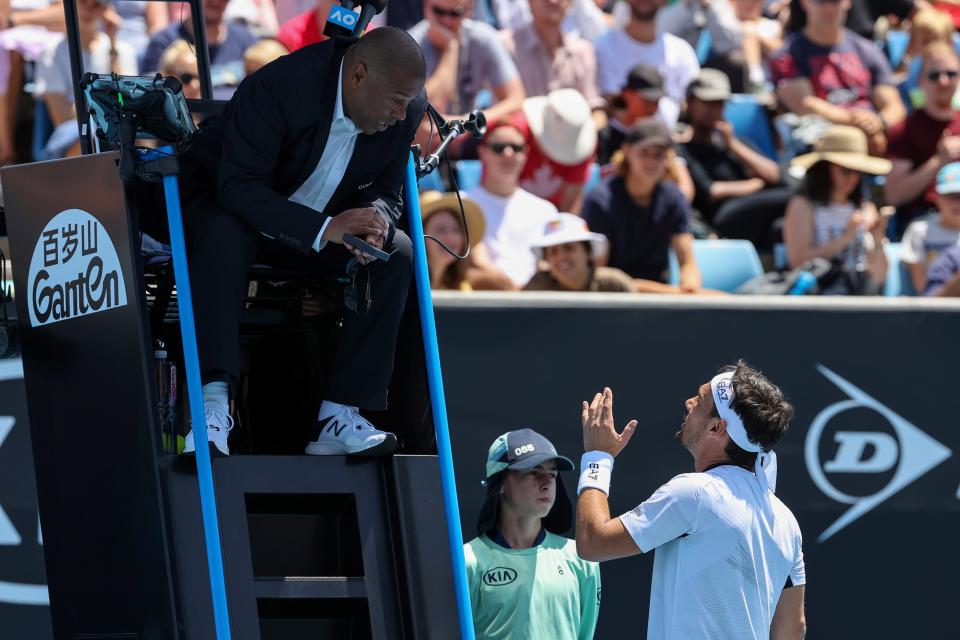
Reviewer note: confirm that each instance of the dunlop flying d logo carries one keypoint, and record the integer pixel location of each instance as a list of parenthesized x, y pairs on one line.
[(74, 270), (499, 576), (908, 456), (15, 592)]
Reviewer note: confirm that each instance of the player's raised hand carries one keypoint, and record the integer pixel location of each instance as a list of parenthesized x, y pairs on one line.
[(599, 428)]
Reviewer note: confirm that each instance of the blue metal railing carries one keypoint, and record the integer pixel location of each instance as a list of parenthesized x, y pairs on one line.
[(191, 360), (438, 403)]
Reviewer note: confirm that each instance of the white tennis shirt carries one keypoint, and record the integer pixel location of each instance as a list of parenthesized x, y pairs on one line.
[(724, 554), (316, 190)]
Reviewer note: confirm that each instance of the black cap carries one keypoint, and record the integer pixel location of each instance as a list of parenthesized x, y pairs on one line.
[(520, 450), (649, 131), (645, 80)]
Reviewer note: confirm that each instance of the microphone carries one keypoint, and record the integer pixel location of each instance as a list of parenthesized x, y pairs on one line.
[(341, 20), (369, 8)]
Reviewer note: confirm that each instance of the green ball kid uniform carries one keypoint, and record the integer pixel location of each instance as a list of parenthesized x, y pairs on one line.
[(546, 592)]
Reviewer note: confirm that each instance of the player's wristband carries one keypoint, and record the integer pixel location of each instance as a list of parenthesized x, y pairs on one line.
[(596, 468)]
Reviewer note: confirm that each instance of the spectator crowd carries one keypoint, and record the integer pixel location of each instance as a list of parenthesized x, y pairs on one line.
[(621, 132)]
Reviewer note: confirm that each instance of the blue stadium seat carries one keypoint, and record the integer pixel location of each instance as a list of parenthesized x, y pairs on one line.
[(893, 286), (593, 179), (724, 264), (704, 44), (431, 182), (750, 122), (897, 43), (468, 174)]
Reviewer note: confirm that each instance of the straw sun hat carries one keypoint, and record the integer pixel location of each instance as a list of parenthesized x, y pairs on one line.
[(432, 202), (847, 147)]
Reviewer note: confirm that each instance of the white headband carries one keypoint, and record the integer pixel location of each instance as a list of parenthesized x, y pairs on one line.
[(766, 465)]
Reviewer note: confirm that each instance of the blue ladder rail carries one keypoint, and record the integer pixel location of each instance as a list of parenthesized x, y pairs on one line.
[(438, 403), (191, 361)]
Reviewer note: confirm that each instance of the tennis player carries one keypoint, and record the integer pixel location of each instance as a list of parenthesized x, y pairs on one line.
[(729, 562), (526, 580)]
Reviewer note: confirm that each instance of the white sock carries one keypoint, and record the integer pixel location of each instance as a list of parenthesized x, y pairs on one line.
[(216, 397), (328, 408)]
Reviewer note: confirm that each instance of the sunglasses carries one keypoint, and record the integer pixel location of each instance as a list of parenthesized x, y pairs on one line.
[(356, 295), (440, 12), (936, 74), (500, 147), (187, 78)]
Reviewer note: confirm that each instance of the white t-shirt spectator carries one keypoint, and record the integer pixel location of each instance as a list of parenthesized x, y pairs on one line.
[(925, 239), (724, 554), (513, 224), (676, 61), (54, 75)]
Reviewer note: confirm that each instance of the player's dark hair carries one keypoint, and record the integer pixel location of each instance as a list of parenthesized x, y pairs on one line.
[(762, 407)]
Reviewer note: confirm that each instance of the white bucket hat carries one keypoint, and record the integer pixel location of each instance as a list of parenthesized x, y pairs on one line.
[(566, 228), (562, 125)]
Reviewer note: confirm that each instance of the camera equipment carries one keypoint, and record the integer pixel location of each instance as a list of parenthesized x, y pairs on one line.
[(123, 106)]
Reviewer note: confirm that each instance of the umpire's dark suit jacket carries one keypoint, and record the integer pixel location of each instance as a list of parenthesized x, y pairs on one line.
[(269, 139)]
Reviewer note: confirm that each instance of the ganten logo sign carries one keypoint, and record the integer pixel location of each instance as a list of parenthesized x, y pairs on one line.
[(74, 270), (910, 454), (499, 576)]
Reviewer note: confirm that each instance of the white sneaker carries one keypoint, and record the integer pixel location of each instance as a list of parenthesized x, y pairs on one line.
[(219, 425), (347, 432)]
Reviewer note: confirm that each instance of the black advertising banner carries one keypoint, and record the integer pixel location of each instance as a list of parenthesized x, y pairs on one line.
[(870, 465), (85, 362), (24, 603)]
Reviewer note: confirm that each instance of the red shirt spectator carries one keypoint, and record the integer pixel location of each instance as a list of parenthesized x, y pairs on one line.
[(562, 140), (301, 30), (545, 178)]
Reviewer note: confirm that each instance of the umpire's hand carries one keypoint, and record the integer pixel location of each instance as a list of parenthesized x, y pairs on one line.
[(599, 429), (364, 223)]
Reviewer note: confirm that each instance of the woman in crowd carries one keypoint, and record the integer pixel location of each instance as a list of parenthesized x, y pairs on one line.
[(644, 215), (180, 61), (571, 250), (442, 220), (831, 216)]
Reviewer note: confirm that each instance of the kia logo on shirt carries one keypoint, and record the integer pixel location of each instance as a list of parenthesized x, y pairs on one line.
[(499, 576), (861, 452)]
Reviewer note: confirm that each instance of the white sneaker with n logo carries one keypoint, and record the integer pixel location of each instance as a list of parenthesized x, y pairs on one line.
[(219, 425), (343, 431)]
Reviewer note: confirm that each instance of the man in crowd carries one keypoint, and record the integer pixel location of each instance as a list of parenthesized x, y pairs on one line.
[(515, 217), (520, 531), (729, 556), (305, 28), (464, 57), (830, 72), (560, 150), (733, 179), (638, 99), (281, 182), (227, 42), (928, 139), (549, 59), (622, 48), (943, 277)]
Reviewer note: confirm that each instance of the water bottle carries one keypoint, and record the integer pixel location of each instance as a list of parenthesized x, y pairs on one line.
[(805, 283), (857, 253), (160, 365)]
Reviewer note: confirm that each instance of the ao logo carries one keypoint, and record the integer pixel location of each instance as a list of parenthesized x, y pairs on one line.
[(15, 592), (917, 453), (342, 17)]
